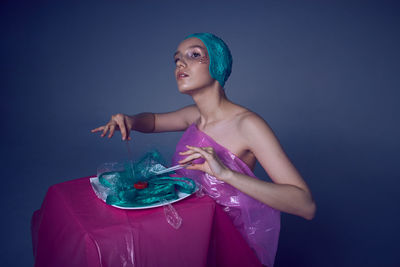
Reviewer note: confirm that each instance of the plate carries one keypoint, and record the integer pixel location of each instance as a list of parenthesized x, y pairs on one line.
[(102, 192)]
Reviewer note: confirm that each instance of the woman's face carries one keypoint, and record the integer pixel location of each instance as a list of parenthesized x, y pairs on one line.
[(192, 63)]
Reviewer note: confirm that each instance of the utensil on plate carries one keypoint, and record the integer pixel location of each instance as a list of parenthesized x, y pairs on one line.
[(170, 169)]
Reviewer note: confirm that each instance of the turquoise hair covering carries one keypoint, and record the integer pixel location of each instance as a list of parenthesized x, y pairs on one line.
[(220, 56)]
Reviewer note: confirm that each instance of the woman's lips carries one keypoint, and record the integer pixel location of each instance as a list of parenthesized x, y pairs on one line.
[(181, 75)]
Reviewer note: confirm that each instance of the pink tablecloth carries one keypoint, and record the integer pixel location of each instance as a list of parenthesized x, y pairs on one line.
[(75, 228)]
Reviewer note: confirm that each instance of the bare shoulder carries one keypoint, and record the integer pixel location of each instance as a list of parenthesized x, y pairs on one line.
[(250, 124), (256, 133)]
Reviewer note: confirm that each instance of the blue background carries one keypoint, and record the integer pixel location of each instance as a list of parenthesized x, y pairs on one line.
[(323, 74)]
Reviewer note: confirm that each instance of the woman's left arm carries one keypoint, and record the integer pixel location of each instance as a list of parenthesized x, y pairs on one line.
[(288, 192)]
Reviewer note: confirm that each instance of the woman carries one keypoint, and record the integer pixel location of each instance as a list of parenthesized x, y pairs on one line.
[(223, 141)]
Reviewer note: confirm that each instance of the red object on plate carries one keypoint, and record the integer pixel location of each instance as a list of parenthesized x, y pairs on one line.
[(140, 185)]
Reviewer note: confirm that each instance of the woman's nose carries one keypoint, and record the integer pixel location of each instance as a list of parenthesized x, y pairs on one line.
[(180, 63)]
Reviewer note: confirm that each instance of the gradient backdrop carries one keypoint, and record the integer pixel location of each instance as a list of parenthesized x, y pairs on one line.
[(323, 74)]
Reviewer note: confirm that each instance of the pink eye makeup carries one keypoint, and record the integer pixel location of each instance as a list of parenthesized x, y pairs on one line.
[(192, 55)]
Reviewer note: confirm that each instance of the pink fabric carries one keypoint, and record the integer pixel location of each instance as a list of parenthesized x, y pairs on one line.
[(258, 223), (75, 228)]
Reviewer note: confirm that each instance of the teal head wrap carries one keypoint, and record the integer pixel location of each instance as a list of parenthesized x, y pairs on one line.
[(220, 56)]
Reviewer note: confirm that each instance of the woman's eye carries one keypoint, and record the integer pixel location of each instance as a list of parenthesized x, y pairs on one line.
[(195, 54)]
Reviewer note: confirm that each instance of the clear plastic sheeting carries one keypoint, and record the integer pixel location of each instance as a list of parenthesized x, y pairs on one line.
[(172, 216), (258, 223), (135, 185)]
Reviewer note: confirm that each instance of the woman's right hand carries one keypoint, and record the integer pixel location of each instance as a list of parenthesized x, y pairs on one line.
[(121, 122)]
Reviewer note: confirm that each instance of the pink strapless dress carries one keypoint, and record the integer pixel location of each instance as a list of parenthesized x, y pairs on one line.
[(258, 223)]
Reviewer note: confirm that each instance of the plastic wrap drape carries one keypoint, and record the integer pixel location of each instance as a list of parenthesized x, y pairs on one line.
[(258, 223)]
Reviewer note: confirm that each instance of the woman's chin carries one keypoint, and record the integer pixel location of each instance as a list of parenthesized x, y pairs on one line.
[(185, 89)]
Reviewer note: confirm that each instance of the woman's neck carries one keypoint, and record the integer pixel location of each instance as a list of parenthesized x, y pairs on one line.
[(212, 103)]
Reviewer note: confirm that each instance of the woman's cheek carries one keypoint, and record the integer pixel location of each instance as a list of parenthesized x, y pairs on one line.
[(204, 60)]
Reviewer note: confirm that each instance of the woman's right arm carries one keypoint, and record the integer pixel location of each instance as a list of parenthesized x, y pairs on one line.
[(148, 122)]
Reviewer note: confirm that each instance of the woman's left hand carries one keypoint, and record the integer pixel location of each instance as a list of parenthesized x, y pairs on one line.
[(212, 164)]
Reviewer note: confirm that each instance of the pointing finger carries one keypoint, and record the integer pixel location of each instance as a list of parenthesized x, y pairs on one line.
[(122, 128), (190, 158), (98, 129), (112, 129), (200, 150), (187, 152), (105, 130), (195, 167)]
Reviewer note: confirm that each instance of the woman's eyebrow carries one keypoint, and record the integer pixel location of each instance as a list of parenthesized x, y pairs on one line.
[(193, 46), (196, 46)]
